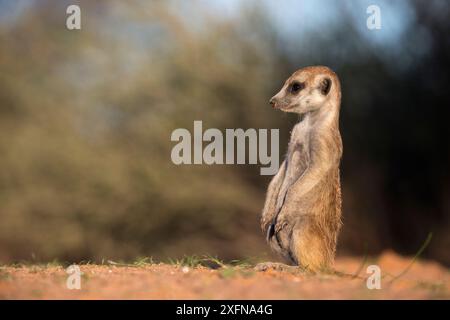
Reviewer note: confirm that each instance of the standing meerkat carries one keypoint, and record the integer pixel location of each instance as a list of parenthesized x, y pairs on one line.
[(302, 212)]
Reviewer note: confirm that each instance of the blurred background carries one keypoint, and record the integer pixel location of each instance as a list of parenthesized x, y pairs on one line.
[(86, 118)]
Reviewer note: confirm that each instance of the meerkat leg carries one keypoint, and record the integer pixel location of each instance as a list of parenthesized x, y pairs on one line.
[(269, 210), (309, 248)]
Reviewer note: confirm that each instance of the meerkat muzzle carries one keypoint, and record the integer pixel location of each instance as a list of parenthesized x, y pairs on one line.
[(273, 102)]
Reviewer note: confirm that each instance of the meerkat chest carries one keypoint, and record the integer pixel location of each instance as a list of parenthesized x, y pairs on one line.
[(298, 151), (299, 142)]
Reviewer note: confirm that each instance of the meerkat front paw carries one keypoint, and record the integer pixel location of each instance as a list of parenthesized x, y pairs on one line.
[(281, 223)]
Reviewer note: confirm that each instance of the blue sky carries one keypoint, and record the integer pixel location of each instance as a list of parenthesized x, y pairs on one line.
[(308, 15)]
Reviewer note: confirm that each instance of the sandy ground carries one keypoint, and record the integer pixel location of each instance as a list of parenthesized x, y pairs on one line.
[(423, 280)]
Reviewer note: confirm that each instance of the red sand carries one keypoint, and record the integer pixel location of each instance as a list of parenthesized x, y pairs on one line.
[(424, 280)]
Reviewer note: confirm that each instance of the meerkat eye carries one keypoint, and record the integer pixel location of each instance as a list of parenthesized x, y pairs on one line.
[(296, 87)]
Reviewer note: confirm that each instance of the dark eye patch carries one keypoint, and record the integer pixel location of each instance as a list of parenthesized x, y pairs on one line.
[(296, 87)]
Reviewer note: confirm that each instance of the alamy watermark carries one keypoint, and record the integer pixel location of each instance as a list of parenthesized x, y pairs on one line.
[(73, 21), (250, 145), (73, 281), (374, 280), (373, 21)]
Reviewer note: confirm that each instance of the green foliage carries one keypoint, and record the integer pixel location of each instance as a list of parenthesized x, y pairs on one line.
[(85, 139)]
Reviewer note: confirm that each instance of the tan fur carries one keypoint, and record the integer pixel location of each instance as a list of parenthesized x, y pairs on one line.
[(302, 212)]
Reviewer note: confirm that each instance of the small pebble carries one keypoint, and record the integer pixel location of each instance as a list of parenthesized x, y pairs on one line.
[(185, 269)]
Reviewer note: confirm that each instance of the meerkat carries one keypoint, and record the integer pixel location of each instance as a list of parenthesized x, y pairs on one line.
[(302, 212)]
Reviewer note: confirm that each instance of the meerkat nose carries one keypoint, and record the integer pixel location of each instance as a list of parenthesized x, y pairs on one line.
[(273, 102)]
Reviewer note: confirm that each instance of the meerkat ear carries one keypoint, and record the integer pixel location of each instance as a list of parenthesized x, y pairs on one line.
[(325, 86)]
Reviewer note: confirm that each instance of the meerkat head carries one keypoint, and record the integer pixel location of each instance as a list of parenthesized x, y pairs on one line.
[(308, 89)]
